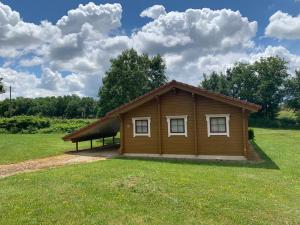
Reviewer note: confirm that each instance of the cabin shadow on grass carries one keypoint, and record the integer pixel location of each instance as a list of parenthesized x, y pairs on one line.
[(265, 163)]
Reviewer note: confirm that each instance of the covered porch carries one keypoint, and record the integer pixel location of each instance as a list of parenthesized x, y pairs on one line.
[(101, 134)]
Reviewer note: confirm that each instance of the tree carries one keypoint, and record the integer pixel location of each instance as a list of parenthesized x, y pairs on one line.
[(242, 82), (74, 109), (262, 82), (272, 76), (157, 72), (293, 92), (216, 82), (130, 76)]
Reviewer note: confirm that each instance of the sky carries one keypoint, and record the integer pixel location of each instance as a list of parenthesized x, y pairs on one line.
[(60, 47)]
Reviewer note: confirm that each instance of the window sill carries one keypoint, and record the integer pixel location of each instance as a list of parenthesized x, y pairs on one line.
[(177, 134), (142, 135), (218, 134)]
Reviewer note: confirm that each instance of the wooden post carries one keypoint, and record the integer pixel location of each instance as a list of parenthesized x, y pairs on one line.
[(121, 118), (76, 146), (160, 150), (103, 141), (91, 143), (245, 133), (196, 151)]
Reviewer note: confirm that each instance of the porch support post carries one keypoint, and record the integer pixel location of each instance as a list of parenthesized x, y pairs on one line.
[(196, 151), (245, 132), (121, 149), (77, 146), (160, 150)]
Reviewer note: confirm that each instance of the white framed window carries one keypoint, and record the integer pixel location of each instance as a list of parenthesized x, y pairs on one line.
[(217, 124), (177, 125), (141, 126)]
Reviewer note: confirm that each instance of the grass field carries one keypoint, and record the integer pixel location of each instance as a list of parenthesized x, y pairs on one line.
[(20, 147), (287, 114), (124, 191)]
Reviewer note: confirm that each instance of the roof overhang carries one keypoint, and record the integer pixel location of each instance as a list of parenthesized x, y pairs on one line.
[(189, 88), (104, 127)]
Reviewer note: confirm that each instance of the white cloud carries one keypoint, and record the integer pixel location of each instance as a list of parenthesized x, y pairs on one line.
[(7, 16), (31, 62), (184, 70), (292, 59), (200, 30), (23, 84), (102, 18), (75, 52), (283, 26), (18, 37), (154, 11), (196, 41), (191, 71), (51, 83), (50, 80), (79, 45)]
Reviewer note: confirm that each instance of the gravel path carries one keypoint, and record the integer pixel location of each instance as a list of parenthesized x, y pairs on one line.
[(56, 161)]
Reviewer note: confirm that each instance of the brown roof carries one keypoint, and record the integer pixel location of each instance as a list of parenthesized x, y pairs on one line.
[(159, 91)]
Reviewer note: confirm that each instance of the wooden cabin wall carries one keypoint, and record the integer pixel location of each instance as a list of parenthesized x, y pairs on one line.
[(179, 102)]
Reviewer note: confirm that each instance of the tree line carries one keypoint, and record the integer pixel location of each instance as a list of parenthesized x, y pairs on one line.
[(60, 107)]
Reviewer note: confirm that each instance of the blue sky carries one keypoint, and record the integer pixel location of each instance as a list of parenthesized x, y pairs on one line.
[(70, 53)]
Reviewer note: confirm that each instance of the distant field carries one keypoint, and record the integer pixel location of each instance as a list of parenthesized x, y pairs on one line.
[(286, 119), (125, 191), (287, 114)]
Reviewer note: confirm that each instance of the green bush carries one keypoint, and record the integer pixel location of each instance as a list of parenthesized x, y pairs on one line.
[(33, 124), (23, 124), (65, 125), (251, 135)]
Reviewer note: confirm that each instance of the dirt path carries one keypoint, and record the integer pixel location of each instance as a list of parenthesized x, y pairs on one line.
[(56, 161)]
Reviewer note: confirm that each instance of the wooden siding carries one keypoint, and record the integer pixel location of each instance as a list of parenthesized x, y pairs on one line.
[(141, 144), (181, 102), (219, 145), (176, 104)]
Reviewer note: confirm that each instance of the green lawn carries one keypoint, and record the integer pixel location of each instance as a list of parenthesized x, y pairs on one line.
[(124, 191), (20, 147)]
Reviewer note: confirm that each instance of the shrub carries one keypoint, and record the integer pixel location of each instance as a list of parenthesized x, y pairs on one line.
[(251, 135), (23, 124), (65, 125)]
